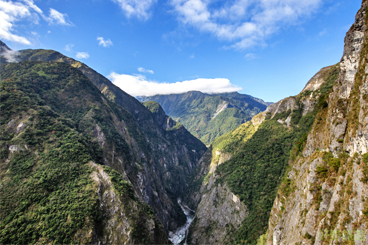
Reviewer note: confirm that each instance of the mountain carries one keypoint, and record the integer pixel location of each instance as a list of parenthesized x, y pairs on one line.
[(83, 162), (56, 187), (3, 47), (327, 181), (235, 183), (297, 173), (117, 133), (208, 116)]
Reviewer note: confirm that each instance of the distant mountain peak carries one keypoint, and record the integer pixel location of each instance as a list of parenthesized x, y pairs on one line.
[(208, 116), (3, 47)]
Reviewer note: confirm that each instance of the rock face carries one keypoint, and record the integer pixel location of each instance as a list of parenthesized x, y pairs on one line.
[(282, 106), (308, 97), (219, 212), (118, 224), (113, 207), (327, 204), (316, 81)]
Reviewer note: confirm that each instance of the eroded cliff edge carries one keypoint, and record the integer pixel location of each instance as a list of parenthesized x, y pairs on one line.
[(327, 198)]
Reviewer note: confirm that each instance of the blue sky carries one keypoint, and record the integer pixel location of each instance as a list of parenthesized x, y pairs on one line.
[(266, 48)]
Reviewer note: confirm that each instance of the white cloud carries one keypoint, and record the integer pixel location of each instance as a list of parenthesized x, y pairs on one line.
[(141, 69), (103, 42), (137, 85), (138, 8), (33, 6), (69, 47), (57, 18), (11, 56), (12, 12), (244, 23), (82, 55)]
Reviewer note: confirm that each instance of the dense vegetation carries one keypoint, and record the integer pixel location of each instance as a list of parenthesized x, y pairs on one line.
[(234, 140), (197, 111), (47, 194), (255, 172), (154, 144)]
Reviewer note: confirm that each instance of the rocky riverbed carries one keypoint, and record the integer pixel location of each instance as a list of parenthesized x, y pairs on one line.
[(179, 235)]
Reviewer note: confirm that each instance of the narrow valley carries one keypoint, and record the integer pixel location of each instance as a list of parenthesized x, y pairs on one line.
[(84, 162)]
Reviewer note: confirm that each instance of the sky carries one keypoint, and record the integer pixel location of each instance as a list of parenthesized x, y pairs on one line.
[(265, 48)]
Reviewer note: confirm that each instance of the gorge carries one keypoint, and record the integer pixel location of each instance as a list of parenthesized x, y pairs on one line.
[(84, 162)]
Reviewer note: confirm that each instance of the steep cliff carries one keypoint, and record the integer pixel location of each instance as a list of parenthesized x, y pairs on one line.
[(161, 118), (327, 198), (57, 132), (245, 167), (219, 212), (165, 157), (208, 116)]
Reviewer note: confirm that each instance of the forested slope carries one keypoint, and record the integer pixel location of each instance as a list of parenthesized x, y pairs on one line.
[(208, 116), (249, 164), (56, 128), (167, 156)]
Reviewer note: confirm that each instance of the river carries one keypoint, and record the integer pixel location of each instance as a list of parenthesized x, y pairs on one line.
[(179, 235)]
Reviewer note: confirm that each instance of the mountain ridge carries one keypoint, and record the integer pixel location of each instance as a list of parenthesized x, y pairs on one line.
[(331, 171), (173, 152), (318, 166), (77, 149), (56, 169), (208, 116)]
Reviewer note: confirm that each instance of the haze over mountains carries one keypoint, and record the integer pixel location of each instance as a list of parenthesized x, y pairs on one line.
[(81, 161)]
